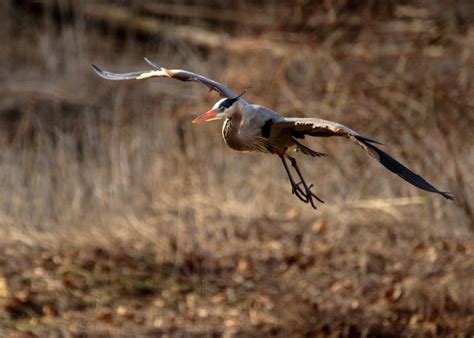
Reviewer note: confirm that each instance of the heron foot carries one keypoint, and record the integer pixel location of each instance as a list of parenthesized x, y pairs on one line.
[(301, 189), (304, 193)]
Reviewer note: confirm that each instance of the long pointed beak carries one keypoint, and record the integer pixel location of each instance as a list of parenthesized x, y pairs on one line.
[(210, 115)]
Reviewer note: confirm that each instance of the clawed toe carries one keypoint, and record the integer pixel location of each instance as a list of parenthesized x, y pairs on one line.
[(304, 193), (300, 189)]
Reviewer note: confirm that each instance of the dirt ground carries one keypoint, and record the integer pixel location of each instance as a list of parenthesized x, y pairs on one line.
[(294, 281)]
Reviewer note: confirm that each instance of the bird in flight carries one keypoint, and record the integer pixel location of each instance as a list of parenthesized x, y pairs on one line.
[(251, 127)]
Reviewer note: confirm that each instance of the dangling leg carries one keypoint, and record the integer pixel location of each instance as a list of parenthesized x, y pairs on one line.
[(305, 195), (295, 189), (308, 193)]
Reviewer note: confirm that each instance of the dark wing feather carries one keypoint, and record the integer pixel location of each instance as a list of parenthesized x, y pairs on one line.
[(396, 167), (319, 127), (178, 74)]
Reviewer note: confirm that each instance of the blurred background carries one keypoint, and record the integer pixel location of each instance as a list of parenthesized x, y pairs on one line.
[(118, 217)]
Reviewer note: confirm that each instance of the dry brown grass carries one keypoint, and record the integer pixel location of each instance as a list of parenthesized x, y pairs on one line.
[(118, 216)]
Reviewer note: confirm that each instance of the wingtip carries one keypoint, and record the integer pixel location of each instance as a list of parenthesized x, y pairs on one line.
[(447, 195), (98, 70)]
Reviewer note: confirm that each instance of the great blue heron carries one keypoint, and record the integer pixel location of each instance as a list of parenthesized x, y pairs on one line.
[(250, 127)]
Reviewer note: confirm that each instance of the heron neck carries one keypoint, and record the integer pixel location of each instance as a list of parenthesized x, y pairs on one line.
[(231, 131)]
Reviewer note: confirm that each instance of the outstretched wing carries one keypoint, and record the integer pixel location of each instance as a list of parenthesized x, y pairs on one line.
[(178, 74), (299, 127)]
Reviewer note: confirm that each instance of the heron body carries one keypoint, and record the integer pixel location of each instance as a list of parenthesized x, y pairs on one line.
[(250, 127)]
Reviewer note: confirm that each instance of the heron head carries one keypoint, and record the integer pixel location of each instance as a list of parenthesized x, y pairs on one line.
[(224, 108)]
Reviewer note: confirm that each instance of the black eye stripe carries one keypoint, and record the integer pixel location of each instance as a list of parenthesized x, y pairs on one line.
[(227, 103)]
